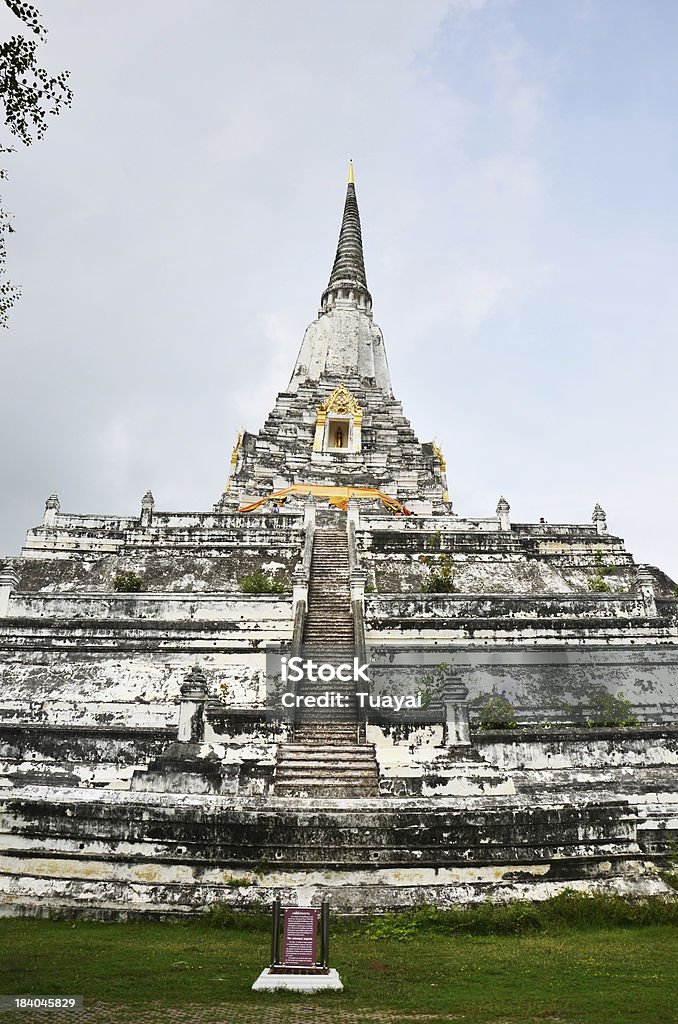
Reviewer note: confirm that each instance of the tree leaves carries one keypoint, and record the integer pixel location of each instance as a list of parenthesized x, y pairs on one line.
[(30, 16), (30, 96)]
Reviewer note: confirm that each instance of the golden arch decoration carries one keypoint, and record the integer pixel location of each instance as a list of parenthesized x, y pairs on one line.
[(341, 402)]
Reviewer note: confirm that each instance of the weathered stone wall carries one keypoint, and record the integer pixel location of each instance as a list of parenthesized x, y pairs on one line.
[(552, 559), (58, 663), (165, 573), (635, 764), (71, 752), (548, 679), (433, 611), (74, 650), (579, 748), (176, 553), (127, 853), (74, 755)]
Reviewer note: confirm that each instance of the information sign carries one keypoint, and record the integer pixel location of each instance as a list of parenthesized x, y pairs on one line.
[(300, 932)]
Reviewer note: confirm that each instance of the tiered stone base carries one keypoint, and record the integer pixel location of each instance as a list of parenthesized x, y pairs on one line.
[(127, 854)]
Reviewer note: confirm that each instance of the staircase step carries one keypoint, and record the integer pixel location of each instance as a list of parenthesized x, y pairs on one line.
[(335, 752), (311, 766), (309, 792), (320, 777), (320, 734), (321, 773), (312, 778)]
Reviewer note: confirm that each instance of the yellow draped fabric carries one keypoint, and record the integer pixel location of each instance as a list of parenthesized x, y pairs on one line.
[(338, 496)]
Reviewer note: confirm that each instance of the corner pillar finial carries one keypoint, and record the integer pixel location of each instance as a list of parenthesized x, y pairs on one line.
[(8, 581), (503, 509), (52, 508), (147, 506), (192, 707), (646, 588), (599, 519)]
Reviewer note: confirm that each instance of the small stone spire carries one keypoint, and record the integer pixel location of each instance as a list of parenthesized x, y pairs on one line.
[(147, 506), (52, 508), (348, 281), (503, 509), (646, 589), (8, 581), (599, 519), (195, 683), (192, 707)]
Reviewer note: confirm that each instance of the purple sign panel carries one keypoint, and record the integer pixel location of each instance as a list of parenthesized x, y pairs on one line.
[(299, 937)]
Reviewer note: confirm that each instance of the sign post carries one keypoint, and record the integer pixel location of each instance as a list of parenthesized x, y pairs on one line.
[(301, 962)]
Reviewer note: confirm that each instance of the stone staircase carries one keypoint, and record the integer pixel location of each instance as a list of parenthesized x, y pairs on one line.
[(325, 758), (329, 621), (313, 769)]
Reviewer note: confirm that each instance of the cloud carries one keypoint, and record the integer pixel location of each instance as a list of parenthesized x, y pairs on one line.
[(176, 228)]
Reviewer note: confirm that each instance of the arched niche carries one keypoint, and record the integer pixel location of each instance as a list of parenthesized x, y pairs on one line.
[(339, 423)]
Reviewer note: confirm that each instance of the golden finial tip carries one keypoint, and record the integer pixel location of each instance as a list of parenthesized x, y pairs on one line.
[(351, 179)]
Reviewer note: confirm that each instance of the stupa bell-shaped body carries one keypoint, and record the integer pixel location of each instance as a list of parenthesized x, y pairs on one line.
[(338, 424)]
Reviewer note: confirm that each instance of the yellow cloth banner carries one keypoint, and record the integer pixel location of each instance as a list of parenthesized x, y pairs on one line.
[(338, 496)]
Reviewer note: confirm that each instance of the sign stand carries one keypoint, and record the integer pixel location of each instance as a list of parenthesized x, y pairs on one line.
[(299, 966)]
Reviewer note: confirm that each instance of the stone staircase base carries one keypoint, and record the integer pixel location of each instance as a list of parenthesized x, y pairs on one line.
[(326, 770)]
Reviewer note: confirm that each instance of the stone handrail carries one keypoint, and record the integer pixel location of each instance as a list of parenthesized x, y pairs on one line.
[(357, 577), (79, 534), (445, 524), (302, 577)]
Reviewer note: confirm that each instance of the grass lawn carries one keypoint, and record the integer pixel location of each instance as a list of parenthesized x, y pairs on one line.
[(582, 975)]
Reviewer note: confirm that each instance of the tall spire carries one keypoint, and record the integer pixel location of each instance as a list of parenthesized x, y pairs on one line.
[(348, 282), (344, 342)]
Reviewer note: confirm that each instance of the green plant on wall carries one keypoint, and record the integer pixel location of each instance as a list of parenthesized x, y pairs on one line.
[(614, 710), (260, 583), (433, 542), (440, 579), (497, 713), (433, 683), (128, 583), (240, 883), (671, 875), (596, 583)]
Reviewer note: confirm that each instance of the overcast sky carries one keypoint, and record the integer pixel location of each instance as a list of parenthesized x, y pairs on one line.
[(516, 169)]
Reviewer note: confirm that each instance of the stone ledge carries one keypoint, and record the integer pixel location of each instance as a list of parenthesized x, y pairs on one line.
[(128, 732), (532, 734)]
